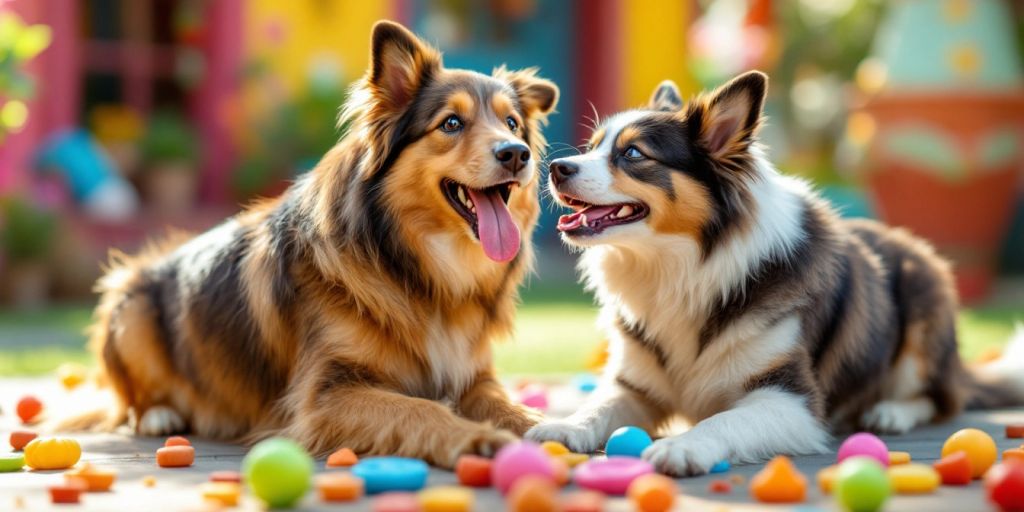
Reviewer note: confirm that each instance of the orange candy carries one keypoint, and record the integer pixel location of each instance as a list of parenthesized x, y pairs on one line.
[(175, 456), (339, 487), (473, 471), (68, 492), (583, 501), (1014, 454), (719, 487), (979, 446), (344, 457), (96, 479), (177, 441), (779, 482), (955, 469), (226, 476), (652, 493), (532, 493), (561, 469), (28, 408), (20, 438)]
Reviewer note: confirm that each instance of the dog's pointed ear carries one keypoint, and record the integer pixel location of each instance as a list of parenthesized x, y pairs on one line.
[(537, 95), (730, 116), (400, 63), (666, 97)]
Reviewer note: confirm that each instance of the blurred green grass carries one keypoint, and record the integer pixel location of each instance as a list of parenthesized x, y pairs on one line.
[(555, 335)]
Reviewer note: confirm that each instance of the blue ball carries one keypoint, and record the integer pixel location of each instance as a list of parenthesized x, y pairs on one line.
[(627, 442), (382, 474), (720, 467), (585, 382)]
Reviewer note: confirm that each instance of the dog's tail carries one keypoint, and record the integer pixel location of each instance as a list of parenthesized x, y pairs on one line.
[(999, 383)]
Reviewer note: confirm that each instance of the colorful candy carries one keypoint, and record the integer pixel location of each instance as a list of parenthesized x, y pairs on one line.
[(534, 395), (532, 493), (278, 471), (954, 469), (721, 466), (446, 499), (20, 438), (517, 460), (585, 382), (826, 478), (71, 375), (914, 478), (10, 462), (554, 448), (177, 441), (719, 487), (1015, 431), (226, 476), (149, 481), (473, 471), (225, 494), (899, 458), (177, 456), (69, 492), (574, 459), (779, 482), (652, 493), (396, 502), (382, 474), (612, 475), (52, 453), (339, 487), (561, 471), (1014, 455), (1004, 484), (28, 408), (979, 446), (627, 442), (866, 444), (583, 501), (861, 484), (96, 479), (342, 458)]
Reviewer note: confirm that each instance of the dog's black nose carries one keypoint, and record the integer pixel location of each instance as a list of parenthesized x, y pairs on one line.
[(562, 169), (512, 155)]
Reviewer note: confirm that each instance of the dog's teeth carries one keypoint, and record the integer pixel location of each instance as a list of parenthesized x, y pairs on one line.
[(625, 211), (586, 223), (462, 195)]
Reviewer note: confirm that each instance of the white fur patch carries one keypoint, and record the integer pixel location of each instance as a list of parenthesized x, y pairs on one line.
[(160, 420), (763, 424), (898, 416)]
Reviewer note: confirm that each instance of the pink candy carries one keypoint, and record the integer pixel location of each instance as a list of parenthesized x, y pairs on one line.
[(517, 460), (534, 395), (864, 444), (612, 475)]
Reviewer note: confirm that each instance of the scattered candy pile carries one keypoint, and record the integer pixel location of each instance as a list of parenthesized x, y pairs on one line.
[(280, 473)]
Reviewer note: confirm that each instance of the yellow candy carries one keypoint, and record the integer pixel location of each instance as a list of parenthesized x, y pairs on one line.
[(224, 493), (914, 478), (52, 453), (574, 459), (827, 478), (896, 458), (71, 375), (446, 499), (979, 446), (554, 448)]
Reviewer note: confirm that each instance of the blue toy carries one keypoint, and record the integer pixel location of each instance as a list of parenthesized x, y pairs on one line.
[(382, 474), (585, 382), (627, 441), (89, 173), (720, 467)]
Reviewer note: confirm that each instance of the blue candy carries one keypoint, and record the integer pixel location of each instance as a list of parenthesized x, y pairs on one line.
[(585, 382), (382, 474), (720, 467), (627, 442)]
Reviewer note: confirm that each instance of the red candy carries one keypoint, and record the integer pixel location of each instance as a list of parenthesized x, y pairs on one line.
[(955, 469), (719, 487), (28, 408), (20, 438), (1004, 484), (1015, 431), (473, 471)]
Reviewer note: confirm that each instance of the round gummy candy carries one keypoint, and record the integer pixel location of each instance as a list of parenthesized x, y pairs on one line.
[(585, 382), (864, 444), (517, 460), (627, 442), (861, 484), (382, 474), (278, 471), (979, 447), (612, 475), (720, 467), (1004, 484)]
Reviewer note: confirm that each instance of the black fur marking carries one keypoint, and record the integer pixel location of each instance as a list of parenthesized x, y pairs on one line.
[(788, 376), (835, 312), (162, 290), (344, 374), (283, 247), (638, 335), (636, 389)]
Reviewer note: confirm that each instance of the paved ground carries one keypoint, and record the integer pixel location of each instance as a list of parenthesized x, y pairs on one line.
[(176, 489)]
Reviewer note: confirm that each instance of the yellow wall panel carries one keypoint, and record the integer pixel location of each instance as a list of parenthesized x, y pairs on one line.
[(654, 36)]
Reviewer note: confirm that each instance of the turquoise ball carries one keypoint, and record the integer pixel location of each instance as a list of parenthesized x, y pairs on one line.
[(627, 441)]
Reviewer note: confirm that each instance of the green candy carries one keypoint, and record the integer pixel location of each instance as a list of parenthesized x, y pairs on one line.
[(10, 462), (278, 471), (861, 484)]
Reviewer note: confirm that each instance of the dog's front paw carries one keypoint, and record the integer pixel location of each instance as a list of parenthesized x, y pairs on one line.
[(484, 442), (519, 420), (579, 439), (679, 457)]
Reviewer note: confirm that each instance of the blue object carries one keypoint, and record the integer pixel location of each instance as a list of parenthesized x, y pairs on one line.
[(585, 382), (80, 159), (721, 467), (627, 441), (382, 474)]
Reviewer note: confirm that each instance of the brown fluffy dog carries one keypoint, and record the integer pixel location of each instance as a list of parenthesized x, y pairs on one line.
[(735, 297), (358, 308)]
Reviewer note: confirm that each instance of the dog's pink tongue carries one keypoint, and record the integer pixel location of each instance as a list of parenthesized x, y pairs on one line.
[(498, 233)]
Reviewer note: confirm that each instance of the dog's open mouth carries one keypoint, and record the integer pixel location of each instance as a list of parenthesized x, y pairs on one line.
[(486, 211), (592, 219)]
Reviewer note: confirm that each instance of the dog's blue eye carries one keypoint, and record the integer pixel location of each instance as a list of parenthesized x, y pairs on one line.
[(633, 153), (451, 124), (512, 124)]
